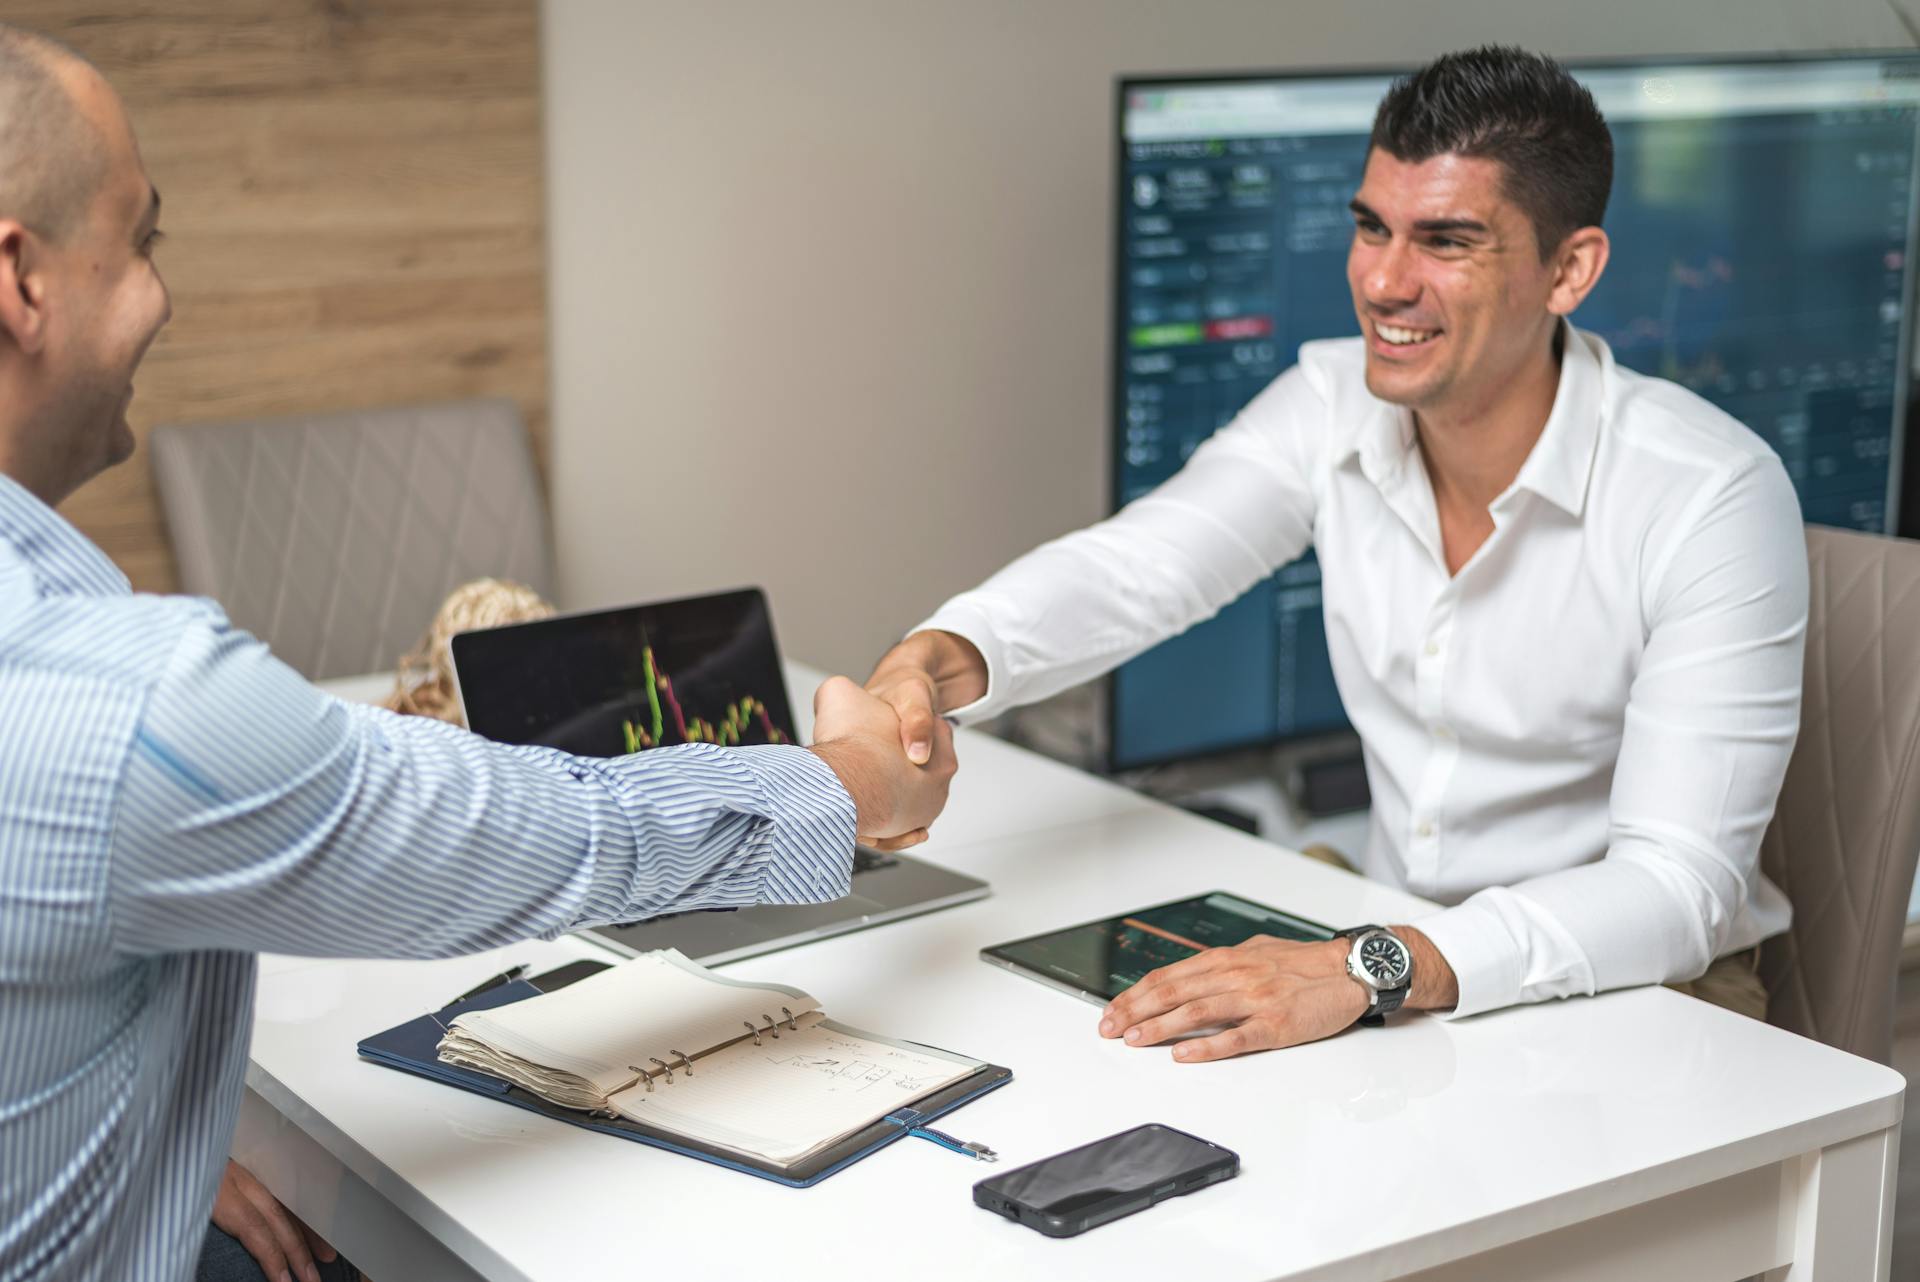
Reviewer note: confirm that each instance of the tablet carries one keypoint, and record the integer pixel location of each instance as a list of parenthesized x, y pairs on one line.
[(1099, 960)]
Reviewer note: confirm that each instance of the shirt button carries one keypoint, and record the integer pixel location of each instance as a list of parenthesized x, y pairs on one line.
[(1425, 829), (1433, 648), (1443, 733)]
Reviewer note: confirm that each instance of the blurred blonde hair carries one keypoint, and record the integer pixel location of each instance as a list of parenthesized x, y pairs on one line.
[(423, 680)]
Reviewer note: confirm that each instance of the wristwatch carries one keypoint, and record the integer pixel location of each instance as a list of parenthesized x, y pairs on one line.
[(1381, 963)]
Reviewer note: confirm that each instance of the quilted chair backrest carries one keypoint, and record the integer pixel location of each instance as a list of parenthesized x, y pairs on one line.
[(1845, 835), (335, 537)]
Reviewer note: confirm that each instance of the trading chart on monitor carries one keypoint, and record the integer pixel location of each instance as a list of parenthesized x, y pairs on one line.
[(1762, 223), (612, 682)]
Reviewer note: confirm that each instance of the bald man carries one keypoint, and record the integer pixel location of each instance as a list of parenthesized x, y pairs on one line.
[(174, 801)]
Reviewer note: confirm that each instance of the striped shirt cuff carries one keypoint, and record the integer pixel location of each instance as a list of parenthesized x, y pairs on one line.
[(803, 854)]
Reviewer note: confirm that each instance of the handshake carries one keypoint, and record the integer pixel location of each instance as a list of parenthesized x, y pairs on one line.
[(888, 743)]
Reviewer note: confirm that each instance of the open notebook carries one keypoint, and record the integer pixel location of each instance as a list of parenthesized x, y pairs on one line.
[(662, 1050)]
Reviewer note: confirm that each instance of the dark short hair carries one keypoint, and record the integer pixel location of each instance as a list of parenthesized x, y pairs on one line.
[(1518, 108)]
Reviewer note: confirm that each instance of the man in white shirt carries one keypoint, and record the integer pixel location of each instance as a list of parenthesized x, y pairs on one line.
[(1566, 604)]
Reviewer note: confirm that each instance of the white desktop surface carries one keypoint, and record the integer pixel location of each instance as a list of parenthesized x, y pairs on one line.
[(1642, 1133)]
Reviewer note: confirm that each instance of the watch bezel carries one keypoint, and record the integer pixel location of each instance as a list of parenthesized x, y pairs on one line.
[(1357, 968)]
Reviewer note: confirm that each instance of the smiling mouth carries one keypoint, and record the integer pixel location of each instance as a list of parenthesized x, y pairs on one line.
[(1402, 336)]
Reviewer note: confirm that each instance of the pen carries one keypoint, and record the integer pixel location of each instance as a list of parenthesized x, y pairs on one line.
[(511, 973)]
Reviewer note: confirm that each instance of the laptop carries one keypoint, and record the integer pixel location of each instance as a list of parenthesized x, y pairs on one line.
[(703, 669)]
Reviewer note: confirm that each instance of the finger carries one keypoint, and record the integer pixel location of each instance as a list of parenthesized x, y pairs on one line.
[(1307, 1014), (1251, 1035), (901, 842), (286, 1232), (1161, 990), (1210, 1011), (258, 1237), (912, 702), (322, 1249), (1155, 995), (944, 758)]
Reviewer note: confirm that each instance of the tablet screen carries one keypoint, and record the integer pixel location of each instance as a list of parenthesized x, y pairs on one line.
[(1100, 960)]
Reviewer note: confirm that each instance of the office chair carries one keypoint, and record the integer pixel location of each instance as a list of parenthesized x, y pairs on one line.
[(334, 537), (1844, 837)]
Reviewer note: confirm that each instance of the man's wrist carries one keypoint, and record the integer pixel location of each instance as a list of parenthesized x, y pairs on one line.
[(858, 776), (1434, 985), (953, 664)]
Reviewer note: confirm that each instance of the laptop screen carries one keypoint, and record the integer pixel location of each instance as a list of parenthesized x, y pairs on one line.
[(702, 670)]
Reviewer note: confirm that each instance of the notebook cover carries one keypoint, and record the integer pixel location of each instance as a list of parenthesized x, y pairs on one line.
[(411, 1048)]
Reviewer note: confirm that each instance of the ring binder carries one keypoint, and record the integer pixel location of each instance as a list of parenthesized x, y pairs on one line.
[(816, 1129), (681, 1060)]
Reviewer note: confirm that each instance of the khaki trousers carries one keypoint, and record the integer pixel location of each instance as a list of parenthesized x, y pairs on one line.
[(1732, 982)]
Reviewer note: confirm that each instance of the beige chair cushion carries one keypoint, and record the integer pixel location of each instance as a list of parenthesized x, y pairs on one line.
[(1845, 835), (334, 537)]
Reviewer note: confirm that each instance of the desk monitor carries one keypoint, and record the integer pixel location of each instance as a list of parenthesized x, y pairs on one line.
[(1762, 219), (1099, 960)]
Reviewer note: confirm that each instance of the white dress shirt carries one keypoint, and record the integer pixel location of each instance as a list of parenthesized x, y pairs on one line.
[(1576, 741)]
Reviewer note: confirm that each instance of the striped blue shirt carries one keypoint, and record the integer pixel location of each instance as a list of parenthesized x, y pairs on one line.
[(173, 800)]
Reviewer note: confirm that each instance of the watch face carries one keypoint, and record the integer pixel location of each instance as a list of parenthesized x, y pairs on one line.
[(1386, 959)]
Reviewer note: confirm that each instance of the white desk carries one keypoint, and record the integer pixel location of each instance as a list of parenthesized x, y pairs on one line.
[(1638, 1135)]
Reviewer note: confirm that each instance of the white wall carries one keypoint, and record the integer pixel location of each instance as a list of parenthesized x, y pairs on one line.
[(830, 278)]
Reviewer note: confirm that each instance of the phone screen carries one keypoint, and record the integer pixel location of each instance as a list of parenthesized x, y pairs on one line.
[(1102, 1181)]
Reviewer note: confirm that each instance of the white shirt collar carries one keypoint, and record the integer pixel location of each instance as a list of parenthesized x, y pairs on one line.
[(1560, 464)]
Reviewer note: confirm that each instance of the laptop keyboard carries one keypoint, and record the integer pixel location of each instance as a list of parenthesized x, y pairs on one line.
[(865, 860)]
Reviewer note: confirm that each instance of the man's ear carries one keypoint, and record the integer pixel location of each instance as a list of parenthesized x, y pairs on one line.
[(1581, 259), (23, 288)]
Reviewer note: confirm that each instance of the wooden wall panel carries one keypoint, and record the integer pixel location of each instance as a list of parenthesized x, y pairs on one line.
[(353, 207)]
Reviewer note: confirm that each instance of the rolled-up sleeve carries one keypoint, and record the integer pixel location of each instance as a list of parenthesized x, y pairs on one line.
[(259, 814), (1710, 723)]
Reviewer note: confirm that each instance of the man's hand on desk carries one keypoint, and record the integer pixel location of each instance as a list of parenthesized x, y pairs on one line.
[(858, 735), (1266, 993), (927, 674), (279, 1243)]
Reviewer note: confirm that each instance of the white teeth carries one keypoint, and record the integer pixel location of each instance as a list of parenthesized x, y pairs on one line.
[(1398, 336)]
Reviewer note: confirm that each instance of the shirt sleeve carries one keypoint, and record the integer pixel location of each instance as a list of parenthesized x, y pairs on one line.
[(1242, 507), (1711, 720), (259, 814)]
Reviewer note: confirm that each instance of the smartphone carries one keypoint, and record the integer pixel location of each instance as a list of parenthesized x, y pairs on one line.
[(1088, 1186)]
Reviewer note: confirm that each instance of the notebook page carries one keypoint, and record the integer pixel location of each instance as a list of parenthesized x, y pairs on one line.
[(785, 1098), (653, 1005)]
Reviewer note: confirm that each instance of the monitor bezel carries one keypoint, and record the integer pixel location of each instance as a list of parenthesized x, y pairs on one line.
[(1129, 82)]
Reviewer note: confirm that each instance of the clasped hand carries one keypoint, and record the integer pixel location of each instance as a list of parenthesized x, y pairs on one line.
[(859, 736)]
